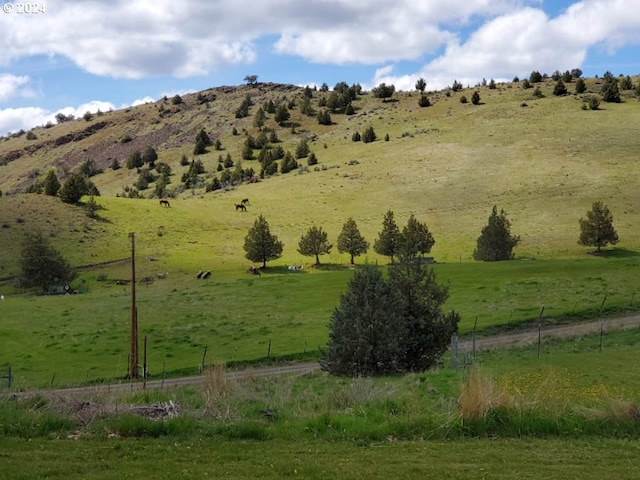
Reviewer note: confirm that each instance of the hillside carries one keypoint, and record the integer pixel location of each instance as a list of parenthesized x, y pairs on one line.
[(544, 160)]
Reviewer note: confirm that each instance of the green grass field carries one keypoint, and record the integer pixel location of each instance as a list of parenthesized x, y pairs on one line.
[(570, 401)]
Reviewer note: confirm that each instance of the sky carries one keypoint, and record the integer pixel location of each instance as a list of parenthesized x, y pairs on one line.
[(74, 56)]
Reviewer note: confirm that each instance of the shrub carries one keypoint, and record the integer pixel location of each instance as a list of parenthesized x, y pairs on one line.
[(369, 135)]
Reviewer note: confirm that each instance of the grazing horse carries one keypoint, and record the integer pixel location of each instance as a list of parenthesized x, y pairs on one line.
[(245, 201), (164, 203), (240, 206)]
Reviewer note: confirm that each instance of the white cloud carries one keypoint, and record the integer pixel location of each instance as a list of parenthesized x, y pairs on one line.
[(136, 39), (15, 119), (518, 42), (12, 86)]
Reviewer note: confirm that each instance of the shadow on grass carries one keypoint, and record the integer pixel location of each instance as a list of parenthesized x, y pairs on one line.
[(615, 253)]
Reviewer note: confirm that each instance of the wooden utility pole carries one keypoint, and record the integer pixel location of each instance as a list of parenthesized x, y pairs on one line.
[(133, 358)]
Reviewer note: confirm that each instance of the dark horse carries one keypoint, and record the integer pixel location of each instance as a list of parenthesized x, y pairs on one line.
[(164, 203), (240, 206), (245, 201)]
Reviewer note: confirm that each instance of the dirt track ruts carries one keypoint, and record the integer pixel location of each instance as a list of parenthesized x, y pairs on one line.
[(519, 338)]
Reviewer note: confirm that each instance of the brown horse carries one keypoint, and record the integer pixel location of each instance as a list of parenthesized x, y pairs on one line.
[(245, 201), (164, 203), (240, 206)]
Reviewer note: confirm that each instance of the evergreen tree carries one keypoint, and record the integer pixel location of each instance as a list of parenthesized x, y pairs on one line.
[(200, 147), (535, 77), (475, 98), (388, 240), (610, 92), (324, 117), (393, 326), (383, 91), (424, 101), (597, 229), (415, 239), (288, 163), (134, 160), (560, 88), (51, 184), (581, 87), (421, 85), (369, 135), (302, 149), (282, 114), (41, 265), (351, 241), (314, 243), (425, 331), (363, 328), (260, 245), (496, 242), (259, 118), (74, 188), (149, 156), (312, 159)]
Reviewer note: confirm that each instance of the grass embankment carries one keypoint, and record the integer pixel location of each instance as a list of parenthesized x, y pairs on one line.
[(576, 400)]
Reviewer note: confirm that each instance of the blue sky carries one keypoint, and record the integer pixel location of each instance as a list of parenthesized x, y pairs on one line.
[(85, 55)]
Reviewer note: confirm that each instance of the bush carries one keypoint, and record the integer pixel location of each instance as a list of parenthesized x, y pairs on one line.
[(369, 135), (424, 101)]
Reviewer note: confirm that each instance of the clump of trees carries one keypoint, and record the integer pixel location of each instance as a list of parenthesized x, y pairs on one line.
[(414, 239), (496, 243), (385, 326), (383, 91), (596, 230)]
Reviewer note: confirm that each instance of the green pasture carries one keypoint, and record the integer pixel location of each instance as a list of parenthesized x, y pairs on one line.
[(63, 340), (198, 458)]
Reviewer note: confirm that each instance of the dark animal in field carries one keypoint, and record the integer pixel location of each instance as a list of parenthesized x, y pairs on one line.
[(241, 207), (244, 201), (164, 203), (253, 270), (199, 274), (295, 268), (206, 274)]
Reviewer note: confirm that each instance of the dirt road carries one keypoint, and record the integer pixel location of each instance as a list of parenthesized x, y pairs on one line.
[(519, 338)]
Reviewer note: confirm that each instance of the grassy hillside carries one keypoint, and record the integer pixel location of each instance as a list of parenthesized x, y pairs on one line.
[(544, 160)]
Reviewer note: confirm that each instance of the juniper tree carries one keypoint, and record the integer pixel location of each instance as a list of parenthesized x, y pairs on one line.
[(314, 243), (496, 243), (415, 239), (260, 245), (351, 241), (41, 265), (363, 329), (389, 237), (597, 229), (51, 184), (74, 187), (425, 330), (389, 326)]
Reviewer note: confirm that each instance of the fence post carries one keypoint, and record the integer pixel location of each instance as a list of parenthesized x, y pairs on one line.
[(204, 356), (454, 351)]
